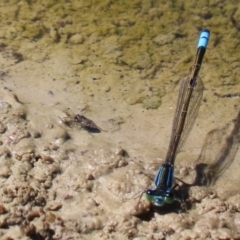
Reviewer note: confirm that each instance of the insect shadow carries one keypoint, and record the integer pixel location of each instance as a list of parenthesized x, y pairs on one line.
[(222, 152)]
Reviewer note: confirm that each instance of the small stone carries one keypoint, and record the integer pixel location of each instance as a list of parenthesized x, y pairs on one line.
[(2, 128), (76, 39), (54, 35), (164, 39), (2, 209)]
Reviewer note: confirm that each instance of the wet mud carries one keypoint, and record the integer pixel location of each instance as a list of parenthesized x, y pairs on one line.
[(88, 91)]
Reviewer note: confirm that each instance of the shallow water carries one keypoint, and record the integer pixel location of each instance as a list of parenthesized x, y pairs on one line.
[(119, 64)]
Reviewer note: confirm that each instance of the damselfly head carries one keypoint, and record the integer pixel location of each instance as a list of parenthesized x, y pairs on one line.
[(159, 198)]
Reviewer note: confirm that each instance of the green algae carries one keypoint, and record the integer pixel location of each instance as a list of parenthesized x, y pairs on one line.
[(152, 37), (153, 102)]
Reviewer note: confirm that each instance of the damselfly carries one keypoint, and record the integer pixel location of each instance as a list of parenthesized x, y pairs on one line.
[(189, 100)]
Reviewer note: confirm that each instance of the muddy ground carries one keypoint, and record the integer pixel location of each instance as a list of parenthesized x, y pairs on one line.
[(120, 64)]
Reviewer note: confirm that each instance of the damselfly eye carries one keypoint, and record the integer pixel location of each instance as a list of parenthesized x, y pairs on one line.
[(150, 195), (169, 198)]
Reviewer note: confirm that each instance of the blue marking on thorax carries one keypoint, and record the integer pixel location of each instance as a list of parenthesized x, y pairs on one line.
[(159, 175), (170, 177), (164, 177)]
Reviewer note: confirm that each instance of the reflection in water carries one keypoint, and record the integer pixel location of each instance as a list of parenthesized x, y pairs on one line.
[(222, 150)]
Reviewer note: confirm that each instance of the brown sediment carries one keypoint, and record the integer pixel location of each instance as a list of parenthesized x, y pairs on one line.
[(120, 63), (234, 21)]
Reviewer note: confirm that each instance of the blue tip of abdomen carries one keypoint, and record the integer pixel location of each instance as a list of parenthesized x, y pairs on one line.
[(204, 38)]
